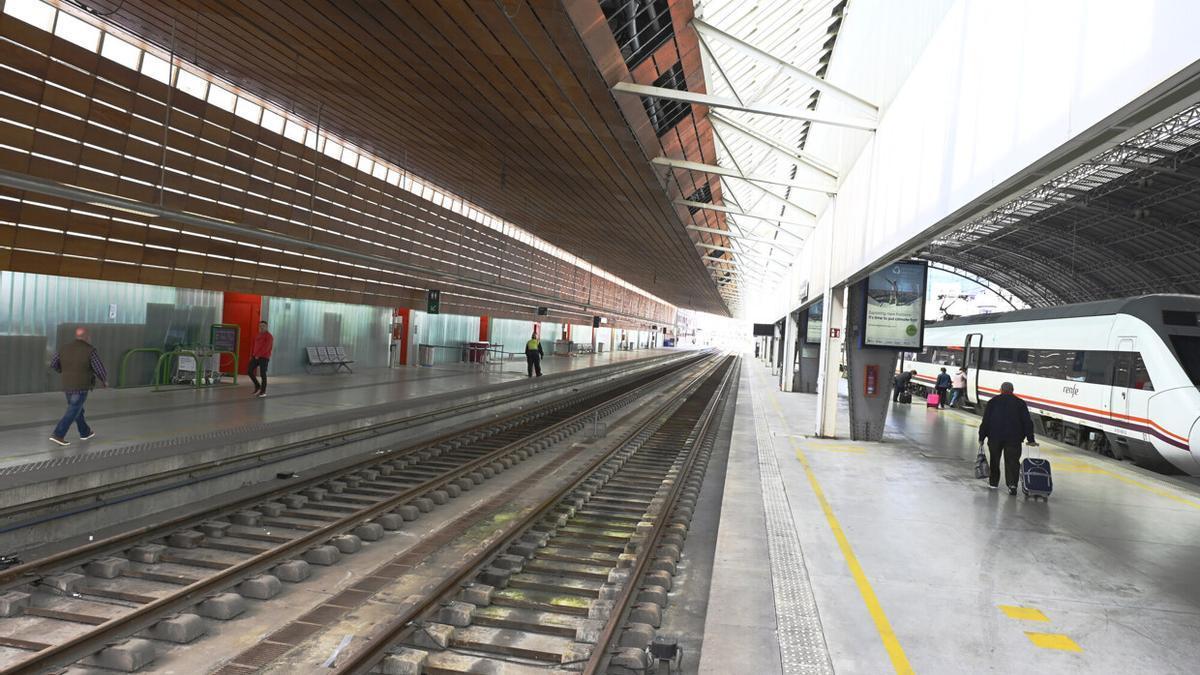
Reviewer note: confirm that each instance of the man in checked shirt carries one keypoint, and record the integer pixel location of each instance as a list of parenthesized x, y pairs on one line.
[(80, 367)]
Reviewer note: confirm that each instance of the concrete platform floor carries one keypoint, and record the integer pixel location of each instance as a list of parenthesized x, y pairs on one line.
[(125, 417), (913, 565)]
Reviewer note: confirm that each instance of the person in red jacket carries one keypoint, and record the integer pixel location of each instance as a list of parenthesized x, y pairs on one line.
[(260, 355)]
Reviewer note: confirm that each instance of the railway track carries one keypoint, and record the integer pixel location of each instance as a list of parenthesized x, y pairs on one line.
[(163, 582), (581, 583)]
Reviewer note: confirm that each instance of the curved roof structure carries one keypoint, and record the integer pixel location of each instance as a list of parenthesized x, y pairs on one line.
[(1124, 223)]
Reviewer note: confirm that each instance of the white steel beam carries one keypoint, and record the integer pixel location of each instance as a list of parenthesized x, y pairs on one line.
[(746, 256), (744, 237), (782, 200), (824, 187), (753, 108), (738, 212), (798, 156), (808, 78)]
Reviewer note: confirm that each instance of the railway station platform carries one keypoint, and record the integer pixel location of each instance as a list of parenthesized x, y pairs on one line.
[(838, 556), (143, 434)]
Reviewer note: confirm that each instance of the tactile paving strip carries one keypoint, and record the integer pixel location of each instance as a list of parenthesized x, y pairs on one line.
[(802, 647)]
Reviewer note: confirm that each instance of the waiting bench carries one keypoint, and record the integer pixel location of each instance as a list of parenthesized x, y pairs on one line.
[(333, 357)]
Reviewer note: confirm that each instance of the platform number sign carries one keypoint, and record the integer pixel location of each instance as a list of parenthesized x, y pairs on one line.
[(433, 302)]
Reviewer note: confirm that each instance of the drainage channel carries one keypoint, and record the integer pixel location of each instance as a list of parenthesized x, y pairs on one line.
[(167, 580), (582, 582)]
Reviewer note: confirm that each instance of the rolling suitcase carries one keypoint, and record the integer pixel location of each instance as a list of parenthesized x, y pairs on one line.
[(1036, 480), (905, 397), (932, 401)]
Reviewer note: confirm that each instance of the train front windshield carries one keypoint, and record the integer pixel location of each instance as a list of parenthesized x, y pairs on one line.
[(1187, 347)]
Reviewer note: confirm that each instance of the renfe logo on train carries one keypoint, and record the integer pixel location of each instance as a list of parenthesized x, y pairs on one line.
[(1071, 390)]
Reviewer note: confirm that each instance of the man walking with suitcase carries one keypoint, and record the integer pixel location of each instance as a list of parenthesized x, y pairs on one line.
[(1006, 422)]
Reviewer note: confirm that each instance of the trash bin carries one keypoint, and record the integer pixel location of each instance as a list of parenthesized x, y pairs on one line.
[(425, 355)]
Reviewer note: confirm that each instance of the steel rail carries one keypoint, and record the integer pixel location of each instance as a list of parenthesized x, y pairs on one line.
[(402, 627), (601, 653), (144, 617)]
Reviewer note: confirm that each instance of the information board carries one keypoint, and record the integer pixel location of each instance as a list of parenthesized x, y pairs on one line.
[(894, 312), (764, 330), (812, 333)]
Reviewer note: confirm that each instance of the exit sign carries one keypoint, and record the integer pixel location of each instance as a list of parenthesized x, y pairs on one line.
[(433, 302)]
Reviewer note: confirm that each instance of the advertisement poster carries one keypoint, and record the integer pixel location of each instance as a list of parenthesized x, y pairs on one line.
[(895, 307), (812, 335)]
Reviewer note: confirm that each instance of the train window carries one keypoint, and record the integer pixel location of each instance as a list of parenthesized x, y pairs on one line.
[(1097, 367), (1021, 356), (1187, 349), (1176, 318), (1139, 376), (1076, 371), (1050, 363), (925, 356), (1004, 355)]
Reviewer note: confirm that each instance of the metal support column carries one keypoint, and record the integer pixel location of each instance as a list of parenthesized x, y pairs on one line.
[(829, 374), (868, 373), (791, 330)]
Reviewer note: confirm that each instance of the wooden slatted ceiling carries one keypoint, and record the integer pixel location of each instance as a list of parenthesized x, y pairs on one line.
[(508, 111), (69, 117)]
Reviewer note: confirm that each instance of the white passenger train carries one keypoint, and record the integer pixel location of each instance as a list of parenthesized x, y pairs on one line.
[(1117, 376)]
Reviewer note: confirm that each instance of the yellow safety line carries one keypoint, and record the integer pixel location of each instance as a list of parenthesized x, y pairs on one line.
[(845, 451), (890, 642), (882, 625)]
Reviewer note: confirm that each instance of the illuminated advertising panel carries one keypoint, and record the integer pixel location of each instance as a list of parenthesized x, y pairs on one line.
[(895, 307)]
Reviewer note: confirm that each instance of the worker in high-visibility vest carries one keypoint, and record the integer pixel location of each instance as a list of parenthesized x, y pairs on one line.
[(533, 355)]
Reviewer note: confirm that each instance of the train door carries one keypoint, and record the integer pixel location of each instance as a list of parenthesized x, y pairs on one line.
[(1122, 368), (972, 358)]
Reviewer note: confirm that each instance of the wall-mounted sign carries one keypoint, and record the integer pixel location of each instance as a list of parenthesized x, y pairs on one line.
[(543, 311), (764, 330), (835, 333), (433, 302), (812, 334), (894, 311)]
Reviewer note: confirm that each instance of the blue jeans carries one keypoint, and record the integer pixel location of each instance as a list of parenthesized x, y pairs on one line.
[(74, 415)]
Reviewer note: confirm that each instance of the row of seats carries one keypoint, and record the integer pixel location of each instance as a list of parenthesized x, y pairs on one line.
[(333, 357)]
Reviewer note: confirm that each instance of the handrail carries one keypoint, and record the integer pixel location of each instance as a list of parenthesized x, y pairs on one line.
[(125, 362)]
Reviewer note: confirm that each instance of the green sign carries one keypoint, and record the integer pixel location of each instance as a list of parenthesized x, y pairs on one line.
[(433, 302)]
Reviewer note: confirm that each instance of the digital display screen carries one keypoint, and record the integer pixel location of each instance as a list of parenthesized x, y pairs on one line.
[(812, 333), (764, 330)]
